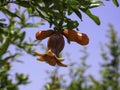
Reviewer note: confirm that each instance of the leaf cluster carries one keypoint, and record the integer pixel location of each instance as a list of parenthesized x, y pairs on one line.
[(111, 64), (56, 12), (12, 24)]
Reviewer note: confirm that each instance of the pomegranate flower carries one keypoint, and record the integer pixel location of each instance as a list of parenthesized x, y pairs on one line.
[(56, 44)]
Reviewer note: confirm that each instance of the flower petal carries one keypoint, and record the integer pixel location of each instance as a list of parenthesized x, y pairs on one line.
[(40, 59), (80, 38), (61, 64), (40, 35), (39, 54), (50, 58)]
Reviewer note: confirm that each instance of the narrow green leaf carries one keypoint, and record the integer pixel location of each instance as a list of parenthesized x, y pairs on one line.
[(78, 13), (12, 56), (93, 80), (5, 46), (116, 3), (22, 36), (23, 18), (31, 25), (93, 17), (43, 13), (96, 4)]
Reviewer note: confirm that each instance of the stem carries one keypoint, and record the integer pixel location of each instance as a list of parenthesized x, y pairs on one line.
[(5, 46)]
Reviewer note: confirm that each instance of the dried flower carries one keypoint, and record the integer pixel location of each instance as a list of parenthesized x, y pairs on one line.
[(50, 58), (56, 44)]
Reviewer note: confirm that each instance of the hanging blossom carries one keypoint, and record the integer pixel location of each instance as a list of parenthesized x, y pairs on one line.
[(56, 44)]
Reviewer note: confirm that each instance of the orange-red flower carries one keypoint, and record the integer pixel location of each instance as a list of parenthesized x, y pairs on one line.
[(56, 44), (80, 38), (50, 58)]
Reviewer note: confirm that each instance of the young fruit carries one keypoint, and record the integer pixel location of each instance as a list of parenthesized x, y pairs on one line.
[(56, 43)]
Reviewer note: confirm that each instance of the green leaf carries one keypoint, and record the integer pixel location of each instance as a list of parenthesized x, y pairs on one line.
[(78, 13), (12, 56), (116, 3), (5, 46), (73, 4), (96, 4), (70, 24), (30, 25), (94, 80), (93, 17), (42, 13), (25, 4), (23, 18), (22, 36)]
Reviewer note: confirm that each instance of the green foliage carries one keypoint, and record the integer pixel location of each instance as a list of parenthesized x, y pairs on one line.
[(6, 82), (95, 18), (57, 13), (110, 70), (55, 83), (12, 34), (115, 3), (78, 79)]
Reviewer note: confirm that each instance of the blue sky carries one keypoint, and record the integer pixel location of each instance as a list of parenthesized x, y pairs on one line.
[(36, 70)]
